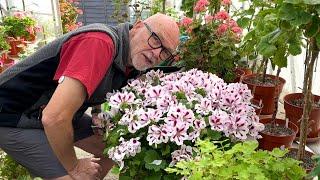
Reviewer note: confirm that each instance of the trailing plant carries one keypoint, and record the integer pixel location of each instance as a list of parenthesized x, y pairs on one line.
[(242, 161)]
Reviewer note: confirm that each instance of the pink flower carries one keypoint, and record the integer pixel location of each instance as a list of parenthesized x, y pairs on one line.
[(186, 21), (208, 18), (19, 15), (199, 124), (158, 135), (38, 28), (222, 15), (201, 5), (205, 107), (185, 153), (119, 98), (236, 30), (218, 119), (79, 24), (30, 30), (79, 11), (179, 133), (226, 2), (232, 23), (222, 29)]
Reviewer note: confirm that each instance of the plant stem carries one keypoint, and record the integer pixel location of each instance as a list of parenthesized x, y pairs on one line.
[(265, 60), (163, 6), (276, 98), (307, 88)]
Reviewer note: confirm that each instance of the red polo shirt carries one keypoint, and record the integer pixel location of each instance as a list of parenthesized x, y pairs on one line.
[(86, 57)]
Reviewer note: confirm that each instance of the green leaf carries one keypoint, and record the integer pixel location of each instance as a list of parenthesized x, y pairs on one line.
[(301, 18), (124, 178), (318, 39), (243, 22), (293, 1), (287, 12), (153, 177), (115, 170), (280, 59), (153, 161), (214, 135), (295, 49), (314, 28), (311, 2), (318, 9), (166, 150), (285, 25), (266, 49)]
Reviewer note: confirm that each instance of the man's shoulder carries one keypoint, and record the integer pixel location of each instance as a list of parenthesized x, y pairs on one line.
[(94, 35)]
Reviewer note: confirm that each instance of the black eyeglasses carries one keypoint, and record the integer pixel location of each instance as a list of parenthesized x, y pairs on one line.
[(155, 43)]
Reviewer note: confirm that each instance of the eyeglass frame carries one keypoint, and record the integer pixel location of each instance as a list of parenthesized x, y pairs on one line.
[(170, 59)]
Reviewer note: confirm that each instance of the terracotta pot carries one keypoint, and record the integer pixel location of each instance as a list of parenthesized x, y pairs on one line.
[(265, 93), (14, 46), (294, 113), (239, 75), (269, 141), (247, 71)]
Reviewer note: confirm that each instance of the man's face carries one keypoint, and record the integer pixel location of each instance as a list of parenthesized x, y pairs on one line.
[(149, 47)]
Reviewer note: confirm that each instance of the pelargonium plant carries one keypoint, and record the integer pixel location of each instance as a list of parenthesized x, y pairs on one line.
[(156, 119), (213, 38), (21, 25), (69, 14)]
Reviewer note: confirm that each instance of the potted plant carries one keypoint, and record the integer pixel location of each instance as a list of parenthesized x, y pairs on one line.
[(4, 47), (242, 161), (155, 120), (269, 43), (69, 13), (212, 43), (20, 27), (298, 23)]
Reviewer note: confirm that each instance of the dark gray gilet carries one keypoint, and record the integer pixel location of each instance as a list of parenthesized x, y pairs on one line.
[(28, 86)]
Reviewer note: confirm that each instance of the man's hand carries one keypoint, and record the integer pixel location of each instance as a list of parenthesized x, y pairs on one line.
[(87, 168)]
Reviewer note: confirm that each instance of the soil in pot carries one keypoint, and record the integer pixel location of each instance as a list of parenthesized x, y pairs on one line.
[(277, 136), (293, 105), (307, 162), (265, 91)]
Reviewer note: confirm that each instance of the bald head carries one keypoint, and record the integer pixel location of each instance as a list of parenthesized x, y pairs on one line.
[(165, 26), (142, 54)]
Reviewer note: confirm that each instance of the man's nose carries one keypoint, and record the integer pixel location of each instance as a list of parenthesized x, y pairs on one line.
[(156, 54)]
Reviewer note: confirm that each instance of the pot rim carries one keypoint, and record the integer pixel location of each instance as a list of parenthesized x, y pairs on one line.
[(268, 75), (286, 100)]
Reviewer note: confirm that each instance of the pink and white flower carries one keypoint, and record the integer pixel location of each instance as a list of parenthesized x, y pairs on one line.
[(119, 98)]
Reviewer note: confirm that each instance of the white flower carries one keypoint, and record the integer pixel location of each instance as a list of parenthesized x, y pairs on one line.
[(205, 107), (218, 120), (179, 133), (185, 153), (119, 98)]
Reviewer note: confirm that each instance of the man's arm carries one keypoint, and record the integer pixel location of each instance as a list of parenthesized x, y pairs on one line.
[(57, 120)]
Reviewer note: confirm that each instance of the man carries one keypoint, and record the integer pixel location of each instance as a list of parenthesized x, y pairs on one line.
[(43, 98)]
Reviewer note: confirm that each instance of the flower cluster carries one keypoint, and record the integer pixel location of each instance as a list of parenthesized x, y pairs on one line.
[(213, 39), (69, 13), (178, 107), (125, 149)]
